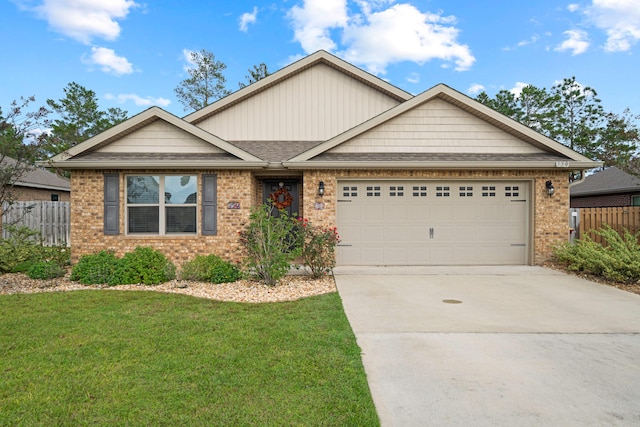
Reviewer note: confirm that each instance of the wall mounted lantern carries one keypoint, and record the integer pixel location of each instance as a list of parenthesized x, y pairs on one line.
[(321, 188), (550, 188)]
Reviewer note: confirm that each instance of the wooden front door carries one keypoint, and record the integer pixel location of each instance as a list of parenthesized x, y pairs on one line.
[(283, 194)]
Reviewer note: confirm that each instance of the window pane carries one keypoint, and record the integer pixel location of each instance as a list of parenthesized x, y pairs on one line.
[(181, 219), (180, 190), (143, 190), (143, 219)]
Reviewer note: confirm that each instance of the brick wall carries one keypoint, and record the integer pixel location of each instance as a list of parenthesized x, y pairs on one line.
[(551, 214), (549, 227), (603, 201), (28, 194), (87, 232)]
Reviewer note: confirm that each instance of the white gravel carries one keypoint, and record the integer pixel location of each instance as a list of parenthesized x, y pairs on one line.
[(289, 288)]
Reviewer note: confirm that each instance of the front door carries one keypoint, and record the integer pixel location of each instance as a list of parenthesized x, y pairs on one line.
[(283, 195)]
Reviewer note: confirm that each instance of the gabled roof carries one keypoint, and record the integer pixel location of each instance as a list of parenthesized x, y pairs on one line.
[(85, 155), (558, 154), (39, 178), (319, 57), (609, 181)]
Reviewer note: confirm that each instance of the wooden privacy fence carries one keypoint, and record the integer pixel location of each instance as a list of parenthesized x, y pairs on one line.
[(617, 218), (51, 219)]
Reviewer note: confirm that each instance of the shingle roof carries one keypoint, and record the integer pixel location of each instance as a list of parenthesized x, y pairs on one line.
[(40, 178), (610, 180), (275, 151)]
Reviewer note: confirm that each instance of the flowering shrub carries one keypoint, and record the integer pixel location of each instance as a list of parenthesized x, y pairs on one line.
[(318, 247), (270, 244)]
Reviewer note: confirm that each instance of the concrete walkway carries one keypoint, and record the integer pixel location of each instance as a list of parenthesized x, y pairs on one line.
[(494, 346)]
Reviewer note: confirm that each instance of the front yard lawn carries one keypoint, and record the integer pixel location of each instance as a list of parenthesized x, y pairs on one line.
[(147, 358)]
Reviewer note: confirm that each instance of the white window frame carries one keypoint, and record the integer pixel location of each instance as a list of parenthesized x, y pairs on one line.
[(162, 205)]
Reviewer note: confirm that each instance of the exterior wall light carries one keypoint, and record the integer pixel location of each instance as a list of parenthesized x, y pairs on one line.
[(550, 189), (321, 188)]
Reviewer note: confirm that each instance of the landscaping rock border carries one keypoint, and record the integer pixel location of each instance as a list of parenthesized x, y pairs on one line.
[(289, 288)]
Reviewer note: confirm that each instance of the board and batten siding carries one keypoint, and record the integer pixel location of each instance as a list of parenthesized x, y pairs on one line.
[(313, 105), (160, 137), (436, 127)]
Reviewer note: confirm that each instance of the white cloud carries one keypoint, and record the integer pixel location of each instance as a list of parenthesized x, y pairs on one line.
[(108, 61), (517, 89), (379, 34), (83, 20), (621, 21), (475, 89), (413, 78), (532, 40), (312, 23), (573, 7), (248, 18), (577, 42), (138, 100)]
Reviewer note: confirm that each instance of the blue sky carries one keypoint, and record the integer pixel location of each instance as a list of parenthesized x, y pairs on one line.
[(133, 53)]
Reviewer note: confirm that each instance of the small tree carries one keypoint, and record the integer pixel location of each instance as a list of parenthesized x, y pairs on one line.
[(21, 134), (205, 83), (79, 119), (270, 244), (259, 72)]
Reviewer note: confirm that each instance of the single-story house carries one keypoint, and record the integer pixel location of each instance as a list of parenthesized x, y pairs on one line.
[(431, 179), (611, 187), (39, 184)]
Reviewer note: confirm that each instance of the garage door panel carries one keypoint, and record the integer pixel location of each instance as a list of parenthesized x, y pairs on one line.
[(434, 223)]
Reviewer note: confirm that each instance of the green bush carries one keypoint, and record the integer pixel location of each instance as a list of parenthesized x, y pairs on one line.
[(318, 247), (270, 244), (210, 268), (45, 270), (618, 259), (19, 247), (143, 266), (95, 268)]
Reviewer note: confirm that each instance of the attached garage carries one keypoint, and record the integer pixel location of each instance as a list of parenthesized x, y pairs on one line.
[(426, 222)]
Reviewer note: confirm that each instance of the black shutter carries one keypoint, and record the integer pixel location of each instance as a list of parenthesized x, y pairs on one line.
[(111, 203), (209, 205)]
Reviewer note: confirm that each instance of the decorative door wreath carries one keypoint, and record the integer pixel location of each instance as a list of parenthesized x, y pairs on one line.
[(286, 201)]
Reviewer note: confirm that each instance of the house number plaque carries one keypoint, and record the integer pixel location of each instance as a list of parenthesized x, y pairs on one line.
[(233, 205)]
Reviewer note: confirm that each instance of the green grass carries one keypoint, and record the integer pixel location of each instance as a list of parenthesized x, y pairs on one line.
[(145, 358)]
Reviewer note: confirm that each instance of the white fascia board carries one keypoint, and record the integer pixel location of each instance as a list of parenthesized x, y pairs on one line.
[(166, 164), (568, 166), (147, 115)]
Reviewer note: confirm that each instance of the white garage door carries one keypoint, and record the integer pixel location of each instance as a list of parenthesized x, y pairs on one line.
[(433, 222)]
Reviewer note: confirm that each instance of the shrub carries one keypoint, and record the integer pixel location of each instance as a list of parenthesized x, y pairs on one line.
[(95, 268), (618, 260), (318, 247), (144, 266), (18, 248), (45, 270), (270, 244), (210, 268)]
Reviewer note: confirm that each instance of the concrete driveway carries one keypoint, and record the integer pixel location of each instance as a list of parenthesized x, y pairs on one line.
[(494, 346)]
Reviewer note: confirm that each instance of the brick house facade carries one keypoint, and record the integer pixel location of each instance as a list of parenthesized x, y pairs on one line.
[(406, 179), (611, 187)]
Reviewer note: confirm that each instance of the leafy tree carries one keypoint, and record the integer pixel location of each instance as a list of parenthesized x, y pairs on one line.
[(578, 117), (21, 134), (259, 72), (572, 115), (79, 118), (205, 84)]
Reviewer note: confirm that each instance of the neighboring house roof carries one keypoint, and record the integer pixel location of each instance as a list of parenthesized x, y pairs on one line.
[(322, 112), (40, 178), (608, 181)]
